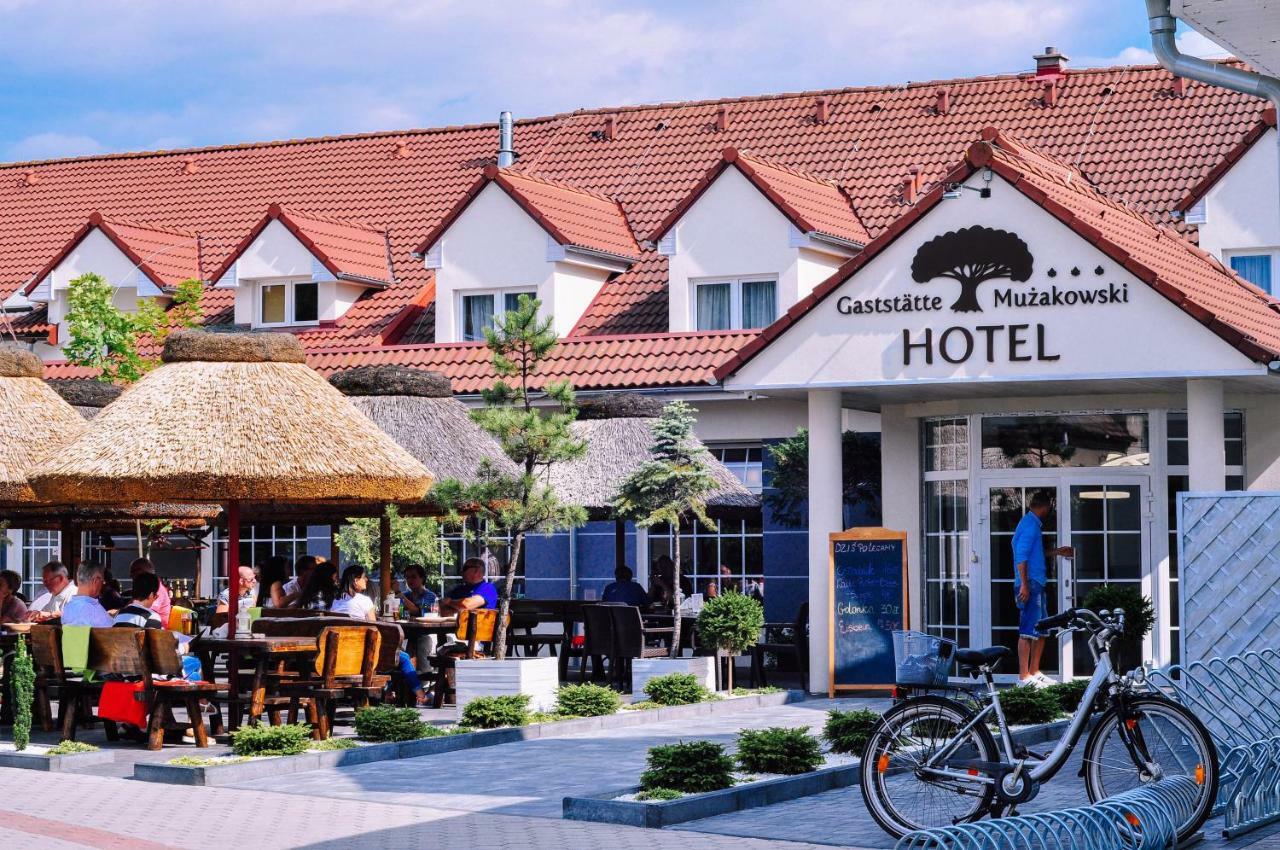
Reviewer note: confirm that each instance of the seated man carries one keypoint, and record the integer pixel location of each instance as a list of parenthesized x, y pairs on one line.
[(84, 609), (418, 600), (625, 589), (474, 592), (58, 589), (140, 613), (248, 593)]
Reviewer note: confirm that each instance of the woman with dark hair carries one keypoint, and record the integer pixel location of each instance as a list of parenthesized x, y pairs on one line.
[(272, 576), (351, 599), (13, 608), (321, 588)]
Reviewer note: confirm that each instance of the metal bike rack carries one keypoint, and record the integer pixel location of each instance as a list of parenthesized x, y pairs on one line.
[(1143, 818), (1237, 697)]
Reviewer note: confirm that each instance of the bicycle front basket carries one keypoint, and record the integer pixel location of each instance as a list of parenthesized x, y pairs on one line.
[(922, 659)]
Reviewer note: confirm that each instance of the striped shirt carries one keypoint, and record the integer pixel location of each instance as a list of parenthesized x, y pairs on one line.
[(138, 616)]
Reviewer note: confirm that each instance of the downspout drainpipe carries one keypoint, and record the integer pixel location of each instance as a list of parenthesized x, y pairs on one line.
[(1163, 30)]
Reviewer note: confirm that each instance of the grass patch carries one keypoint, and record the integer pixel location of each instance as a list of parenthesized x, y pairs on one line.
[(657, 795), (333, 744), (643, 705), (70, 748), (751, 692), (207, 761)]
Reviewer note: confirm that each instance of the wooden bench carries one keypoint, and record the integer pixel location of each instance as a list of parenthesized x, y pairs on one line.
[(76, 697), (344, 669)]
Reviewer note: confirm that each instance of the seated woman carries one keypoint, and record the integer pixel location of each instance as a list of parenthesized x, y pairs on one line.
[(13, 609), (320, 589), (272, 577), (353, 602)]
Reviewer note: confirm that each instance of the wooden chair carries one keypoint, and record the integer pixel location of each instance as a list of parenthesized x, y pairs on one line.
[(77, 698), (386, 669), (796, 649), (599, 643), (526, 616), (633, 639), (474, 628), (344, 668), (160, 657)]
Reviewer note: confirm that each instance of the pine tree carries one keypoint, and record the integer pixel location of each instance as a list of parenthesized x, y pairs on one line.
[(533, 437), (673, 485)]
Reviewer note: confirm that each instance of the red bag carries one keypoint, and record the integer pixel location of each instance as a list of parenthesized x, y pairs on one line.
[(119, 703)]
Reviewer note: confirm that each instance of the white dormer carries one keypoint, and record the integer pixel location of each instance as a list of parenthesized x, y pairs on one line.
[(513, 234), (296, 270), (138, 260), (749, 241)]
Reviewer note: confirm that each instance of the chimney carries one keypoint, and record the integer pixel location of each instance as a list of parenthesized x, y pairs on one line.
[(610, 128), (1050, 92), (821, 110), (911, 184), (943, 104), (506, 143), (1179, 86), (722, 119), (1051, 63)]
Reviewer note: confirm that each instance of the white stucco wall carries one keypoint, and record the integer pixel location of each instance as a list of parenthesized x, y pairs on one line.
[(569, 292), (812, 268), (275, 253), (1242, 210), (753, 420), (336, 298), (492, 245)]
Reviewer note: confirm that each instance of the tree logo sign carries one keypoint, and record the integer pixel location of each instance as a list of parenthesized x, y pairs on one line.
[(971, 256)]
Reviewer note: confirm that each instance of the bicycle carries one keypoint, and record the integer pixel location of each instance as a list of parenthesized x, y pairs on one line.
[(932, 761)]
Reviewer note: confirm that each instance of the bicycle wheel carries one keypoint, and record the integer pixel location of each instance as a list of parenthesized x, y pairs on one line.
[(898, 793), (1175, 741)]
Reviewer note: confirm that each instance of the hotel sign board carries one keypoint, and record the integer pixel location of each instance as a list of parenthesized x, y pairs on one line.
[(868, 596)]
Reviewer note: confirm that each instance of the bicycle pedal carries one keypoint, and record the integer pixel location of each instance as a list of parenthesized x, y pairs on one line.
[(1033, 754)]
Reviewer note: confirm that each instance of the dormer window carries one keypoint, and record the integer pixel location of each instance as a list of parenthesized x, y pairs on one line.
[(480, 310), (734, 304), (288, 302)]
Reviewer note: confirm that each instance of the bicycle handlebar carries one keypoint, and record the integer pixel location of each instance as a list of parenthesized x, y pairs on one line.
[(1085, 618)]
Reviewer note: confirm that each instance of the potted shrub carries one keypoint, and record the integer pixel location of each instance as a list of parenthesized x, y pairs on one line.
[(511, 504), (1139, 617), (671, 487), (731, 623)]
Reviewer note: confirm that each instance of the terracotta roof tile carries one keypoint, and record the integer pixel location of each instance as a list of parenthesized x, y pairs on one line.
[(348, 250), (166, 256)]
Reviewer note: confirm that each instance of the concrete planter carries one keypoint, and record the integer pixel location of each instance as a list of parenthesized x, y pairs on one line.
[(54, 764), (644, 669), (536, 677)]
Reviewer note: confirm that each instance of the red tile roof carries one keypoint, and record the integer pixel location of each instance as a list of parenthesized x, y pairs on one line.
[(350, 251), (1228, 160), (813, 205), (1124, 127), (1236, 310), (589, 363), (32, 325), (167, 257), (573, 217)]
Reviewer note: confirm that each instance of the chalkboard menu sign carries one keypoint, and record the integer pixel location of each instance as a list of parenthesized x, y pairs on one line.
[(868, 593)]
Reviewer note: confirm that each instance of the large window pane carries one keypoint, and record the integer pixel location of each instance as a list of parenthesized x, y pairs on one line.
[(759, 307), (273, 298), (1255, 268), (511, 300), (946, 445), (1093, 439), (477, 314), (713, 307), (306, 305)]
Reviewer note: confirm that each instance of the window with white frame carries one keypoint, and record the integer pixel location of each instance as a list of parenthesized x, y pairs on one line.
[(38, 548), (735, 303), (744, 461), (287, 302), (1254, 266), (259, 542), (946, 528), (731, 555), (480, 310)]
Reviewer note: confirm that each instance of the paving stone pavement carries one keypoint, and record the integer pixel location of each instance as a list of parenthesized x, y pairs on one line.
[(533, 777), (106, 813)]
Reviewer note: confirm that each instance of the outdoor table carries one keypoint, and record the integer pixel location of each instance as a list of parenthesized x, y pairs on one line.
[(263, 651), (430, 625)]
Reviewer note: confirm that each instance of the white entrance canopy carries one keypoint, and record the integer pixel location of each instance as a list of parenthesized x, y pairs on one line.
[(1248, 28)]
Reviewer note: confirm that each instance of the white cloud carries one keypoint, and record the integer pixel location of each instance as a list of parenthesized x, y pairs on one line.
[(1189, 42), (51, 146)]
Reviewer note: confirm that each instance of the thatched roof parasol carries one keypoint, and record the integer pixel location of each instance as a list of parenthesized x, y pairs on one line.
[(617, 430), (232, 417), (34, 421), (418, 410), (85, 395)]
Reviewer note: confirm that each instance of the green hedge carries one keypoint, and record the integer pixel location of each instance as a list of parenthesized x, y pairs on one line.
[(259, 740), (778, 750), (1069, 693), (496, 712), (693, 767), (587, 700), (849, 731), (1027, 705), (676, 689), (388, 723)]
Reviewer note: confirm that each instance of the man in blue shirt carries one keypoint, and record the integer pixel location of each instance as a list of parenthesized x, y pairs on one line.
[(474, 591), (623, 589), (1029, 580)]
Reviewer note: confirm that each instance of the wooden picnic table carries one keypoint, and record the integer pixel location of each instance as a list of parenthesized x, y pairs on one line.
[(415, 627), (263, 651)]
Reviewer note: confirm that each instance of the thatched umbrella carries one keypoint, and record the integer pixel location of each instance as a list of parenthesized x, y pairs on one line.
[(86, 396), (618, 433), (417, 409), (233, 418)]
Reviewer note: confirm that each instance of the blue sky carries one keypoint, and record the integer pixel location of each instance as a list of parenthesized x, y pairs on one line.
[(82, 78)]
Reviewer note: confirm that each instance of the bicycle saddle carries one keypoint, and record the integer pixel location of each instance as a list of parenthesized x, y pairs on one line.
[(981, 657)]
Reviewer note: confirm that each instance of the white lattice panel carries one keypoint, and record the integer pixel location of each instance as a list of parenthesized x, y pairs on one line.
[(1229, 552)]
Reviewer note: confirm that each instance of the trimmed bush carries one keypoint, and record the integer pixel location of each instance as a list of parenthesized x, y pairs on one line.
[(587, 700), (495, 712), (693, 767), (849, 731), (333, 744), (1025, 705), (259, 740), (778, 750), (1069, 694), (657, 795), (388, 723), (730, 622), (69, 748), (676, 689)]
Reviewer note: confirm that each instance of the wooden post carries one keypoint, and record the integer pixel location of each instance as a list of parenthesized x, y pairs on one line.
[(233, 578), (334, 554), (384, 553)]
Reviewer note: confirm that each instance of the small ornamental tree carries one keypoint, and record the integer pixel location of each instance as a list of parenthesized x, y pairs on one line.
[(671, 486), (533, 437), (971, 256), (414, 540), (24, 686), (731, 622)]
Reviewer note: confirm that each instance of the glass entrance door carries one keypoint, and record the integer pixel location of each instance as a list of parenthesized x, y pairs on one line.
[(1006, 505)]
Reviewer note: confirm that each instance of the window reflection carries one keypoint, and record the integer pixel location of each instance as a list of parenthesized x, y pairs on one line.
[(1038, 442)]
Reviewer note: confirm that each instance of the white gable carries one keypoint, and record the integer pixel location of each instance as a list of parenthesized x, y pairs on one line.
[(1236, 215), (274, 253), (1065, 322), (97, 254)]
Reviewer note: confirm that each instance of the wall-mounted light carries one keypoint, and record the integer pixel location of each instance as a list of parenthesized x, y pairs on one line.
[(953, 190), (1103, 494)]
